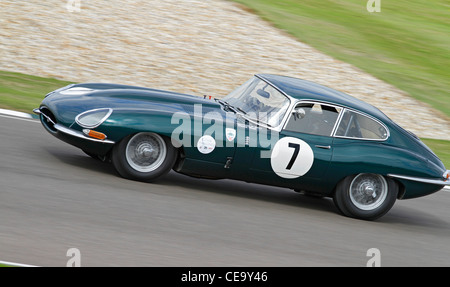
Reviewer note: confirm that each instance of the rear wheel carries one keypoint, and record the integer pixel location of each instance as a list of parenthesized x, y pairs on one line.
[(365, 196), (143, 156)]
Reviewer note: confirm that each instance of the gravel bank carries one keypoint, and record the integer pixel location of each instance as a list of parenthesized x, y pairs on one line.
[(190, 46)]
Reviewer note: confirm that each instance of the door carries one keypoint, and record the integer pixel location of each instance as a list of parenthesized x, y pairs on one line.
[(303, 151), (211, 143)]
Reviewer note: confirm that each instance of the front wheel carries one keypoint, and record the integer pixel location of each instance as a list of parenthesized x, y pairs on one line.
[(143, 156), (365, 196)]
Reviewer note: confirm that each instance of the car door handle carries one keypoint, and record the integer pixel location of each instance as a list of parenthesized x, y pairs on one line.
[(323, 146)]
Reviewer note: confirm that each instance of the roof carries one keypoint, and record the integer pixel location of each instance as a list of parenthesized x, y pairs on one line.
[(306, 90)]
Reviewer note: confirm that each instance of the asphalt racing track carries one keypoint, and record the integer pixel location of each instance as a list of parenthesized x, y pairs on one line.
[(53, 197)]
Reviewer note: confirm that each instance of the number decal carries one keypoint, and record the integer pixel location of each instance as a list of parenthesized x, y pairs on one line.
[(291, 157), (294, 155)]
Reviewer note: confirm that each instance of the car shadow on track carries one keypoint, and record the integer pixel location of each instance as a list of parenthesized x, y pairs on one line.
[(246, 190), (81, 160), (398, 215), (221, 186)]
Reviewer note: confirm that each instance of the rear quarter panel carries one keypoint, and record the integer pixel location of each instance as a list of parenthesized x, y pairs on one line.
[(358, 156)]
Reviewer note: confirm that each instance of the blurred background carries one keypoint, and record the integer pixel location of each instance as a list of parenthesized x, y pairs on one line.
[(396, 59)]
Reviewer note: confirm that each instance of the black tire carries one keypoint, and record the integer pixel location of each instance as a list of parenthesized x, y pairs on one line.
[(365, 196), (144, 156)]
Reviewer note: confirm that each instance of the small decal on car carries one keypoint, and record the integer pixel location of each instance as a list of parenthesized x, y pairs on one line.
[(291, 157), (206, 144), (230, 134)]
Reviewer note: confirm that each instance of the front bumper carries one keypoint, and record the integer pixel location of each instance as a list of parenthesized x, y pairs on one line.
[(80, 135), (80, 140), (74, 137)]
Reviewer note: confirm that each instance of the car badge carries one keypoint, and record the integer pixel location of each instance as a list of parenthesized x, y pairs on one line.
[(230, 134)]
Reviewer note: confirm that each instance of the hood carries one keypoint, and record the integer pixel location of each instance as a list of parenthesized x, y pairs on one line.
[(125, 93), (82, 97), (72, 100)]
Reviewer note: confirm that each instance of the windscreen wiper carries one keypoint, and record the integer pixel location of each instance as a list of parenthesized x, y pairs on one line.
[(259, 121), (234, 109), (241, 110), (228, 107)]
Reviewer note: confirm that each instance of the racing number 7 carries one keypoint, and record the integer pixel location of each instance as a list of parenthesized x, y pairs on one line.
[(296, 148)]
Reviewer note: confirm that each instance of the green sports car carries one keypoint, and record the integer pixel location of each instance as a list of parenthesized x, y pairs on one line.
[(272, 130)]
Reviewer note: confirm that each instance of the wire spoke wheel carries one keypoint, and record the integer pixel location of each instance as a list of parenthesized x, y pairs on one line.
[(368, 191), (144, 156), (145, 152), (365, 196)]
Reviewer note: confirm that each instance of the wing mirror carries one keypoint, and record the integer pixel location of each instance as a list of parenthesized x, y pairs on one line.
[(299, 113)]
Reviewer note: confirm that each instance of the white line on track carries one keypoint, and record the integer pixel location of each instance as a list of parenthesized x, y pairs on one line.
[(19, 118), (16, 114), (16, 264)]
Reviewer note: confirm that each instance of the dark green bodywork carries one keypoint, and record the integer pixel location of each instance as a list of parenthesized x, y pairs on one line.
[(137, 109)]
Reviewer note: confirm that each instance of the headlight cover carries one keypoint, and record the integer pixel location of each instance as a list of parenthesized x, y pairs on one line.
[(93, 118)]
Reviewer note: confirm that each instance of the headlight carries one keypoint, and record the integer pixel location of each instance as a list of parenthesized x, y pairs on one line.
[(93, 118)]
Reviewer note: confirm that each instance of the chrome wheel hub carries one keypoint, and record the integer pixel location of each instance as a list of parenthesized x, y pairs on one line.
[(368, 191), (145, 152)]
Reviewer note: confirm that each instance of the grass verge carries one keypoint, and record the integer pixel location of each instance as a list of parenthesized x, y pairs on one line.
[(441, 148), (406, 44), (23, 93)]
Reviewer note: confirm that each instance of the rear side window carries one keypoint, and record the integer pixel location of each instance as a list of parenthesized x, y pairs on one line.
[(358, 126)]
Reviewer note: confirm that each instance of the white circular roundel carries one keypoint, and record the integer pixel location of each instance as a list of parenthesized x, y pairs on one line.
[(206, 144), (291, 157)]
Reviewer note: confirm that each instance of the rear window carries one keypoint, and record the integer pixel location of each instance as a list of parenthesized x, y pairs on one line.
[(358, 126)]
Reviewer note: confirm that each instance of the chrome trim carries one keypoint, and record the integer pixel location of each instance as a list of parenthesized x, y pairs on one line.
[(108, 114), (323, 146), (338, 121), (286, 114), (37, 111), (310, 101), (421, 179), (78, 134), (295, 102), (47, 117), (365, 115), (274, 86)]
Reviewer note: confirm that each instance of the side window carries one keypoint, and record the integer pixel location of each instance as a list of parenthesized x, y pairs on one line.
[(354, 125), (313, 118)]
